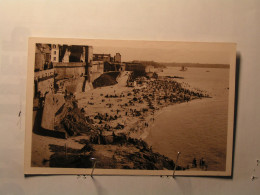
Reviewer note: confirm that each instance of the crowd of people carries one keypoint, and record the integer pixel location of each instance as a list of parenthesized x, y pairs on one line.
[(139, 102), (202, 164)]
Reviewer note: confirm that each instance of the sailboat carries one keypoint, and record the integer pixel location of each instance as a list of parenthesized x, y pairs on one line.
[(183, 68)]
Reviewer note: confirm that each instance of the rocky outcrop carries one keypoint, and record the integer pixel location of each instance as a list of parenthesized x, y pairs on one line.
[(71, 119), (106, 79)]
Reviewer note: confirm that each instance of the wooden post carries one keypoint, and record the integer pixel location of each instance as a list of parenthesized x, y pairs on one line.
[(65, 150), (176, 164)]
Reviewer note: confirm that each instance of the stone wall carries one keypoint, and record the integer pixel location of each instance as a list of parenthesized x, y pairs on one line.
[(45, 86), (74, 85), (94, 76), (69, 70)]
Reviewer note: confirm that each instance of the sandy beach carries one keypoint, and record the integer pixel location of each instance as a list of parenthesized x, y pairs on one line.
[(115, 115)]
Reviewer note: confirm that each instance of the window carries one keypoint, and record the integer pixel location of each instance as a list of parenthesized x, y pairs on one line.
[(55, 52), (47, 57), (54, 58), (54, 46)]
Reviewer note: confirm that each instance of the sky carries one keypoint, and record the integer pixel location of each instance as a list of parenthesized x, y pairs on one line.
[(208, 53), (159, 51)]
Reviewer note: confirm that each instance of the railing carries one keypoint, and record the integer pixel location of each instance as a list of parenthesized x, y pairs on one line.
[(69, 64), (44, 74)]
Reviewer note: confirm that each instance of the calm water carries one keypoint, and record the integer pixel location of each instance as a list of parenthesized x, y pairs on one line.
[(197, 128)]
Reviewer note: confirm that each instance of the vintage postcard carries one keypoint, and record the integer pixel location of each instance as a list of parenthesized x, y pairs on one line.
[(129, 107)]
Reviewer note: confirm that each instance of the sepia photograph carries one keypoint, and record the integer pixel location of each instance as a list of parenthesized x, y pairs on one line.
[(129, 107)]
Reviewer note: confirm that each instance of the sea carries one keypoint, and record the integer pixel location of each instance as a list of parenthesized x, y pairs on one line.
[(197, 129)]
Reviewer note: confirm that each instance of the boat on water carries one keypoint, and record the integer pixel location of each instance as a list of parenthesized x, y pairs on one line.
[(183, 68)]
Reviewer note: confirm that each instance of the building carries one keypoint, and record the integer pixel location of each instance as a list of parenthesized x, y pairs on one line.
[(42, 57), (65, 67), (55, 53), (96, 69), (43, 70), (117, 58), (134, 66), (74, 61), (102, 57), (59, 70), (66, 57), (110, 63)]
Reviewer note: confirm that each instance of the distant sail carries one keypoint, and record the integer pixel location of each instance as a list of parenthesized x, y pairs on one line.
[(183, 68)]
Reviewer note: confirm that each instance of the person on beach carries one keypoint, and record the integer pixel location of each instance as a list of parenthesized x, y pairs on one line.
[(202, 163), (194, 163)]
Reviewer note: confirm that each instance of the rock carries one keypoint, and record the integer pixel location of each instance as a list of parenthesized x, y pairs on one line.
[(108, 139)]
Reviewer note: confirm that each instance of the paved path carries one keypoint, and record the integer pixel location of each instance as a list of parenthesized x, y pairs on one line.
[(123, 79)]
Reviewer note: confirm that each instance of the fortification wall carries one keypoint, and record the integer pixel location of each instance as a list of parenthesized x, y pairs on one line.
[(69, 72), (45, 86), (94, 76), (74, 85)]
